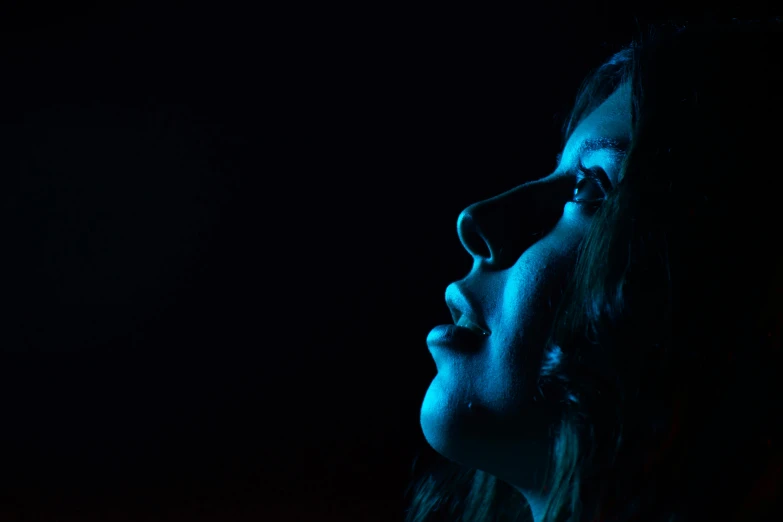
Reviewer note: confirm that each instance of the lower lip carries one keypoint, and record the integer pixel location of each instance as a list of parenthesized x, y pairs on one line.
[(455, 337)]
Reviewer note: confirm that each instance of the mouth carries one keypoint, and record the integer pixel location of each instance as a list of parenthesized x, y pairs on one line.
[(462, 312), (464, 321)]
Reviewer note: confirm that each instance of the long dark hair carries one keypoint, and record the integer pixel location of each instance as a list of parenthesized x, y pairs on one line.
[(668, 338)]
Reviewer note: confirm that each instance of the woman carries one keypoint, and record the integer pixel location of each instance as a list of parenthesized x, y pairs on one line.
[(616, 354)]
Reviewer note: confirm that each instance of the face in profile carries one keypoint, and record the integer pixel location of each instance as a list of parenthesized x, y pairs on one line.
[(484, 409)]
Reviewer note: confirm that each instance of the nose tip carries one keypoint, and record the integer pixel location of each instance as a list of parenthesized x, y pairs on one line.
[(471, 236)]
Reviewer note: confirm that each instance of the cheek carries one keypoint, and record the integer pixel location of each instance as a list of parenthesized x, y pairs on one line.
[(530, 299), (535, 286)]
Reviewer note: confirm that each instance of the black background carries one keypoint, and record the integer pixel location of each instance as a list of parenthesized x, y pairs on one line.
[(227, 233)]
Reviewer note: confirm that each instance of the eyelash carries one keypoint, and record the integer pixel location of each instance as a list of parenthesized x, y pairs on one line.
[(596, 175)]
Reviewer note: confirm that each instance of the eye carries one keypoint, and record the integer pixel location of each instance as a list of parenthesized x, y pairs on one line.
[(591, 187), (587, 191)]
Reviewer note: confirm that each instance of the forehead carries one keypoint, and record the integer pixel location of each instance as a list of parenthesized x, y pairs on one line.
[(610, 123)]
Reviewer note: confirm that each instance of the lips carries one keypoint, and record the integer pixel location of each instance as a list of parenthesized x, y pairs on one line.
[(465, 322), (464, 314)]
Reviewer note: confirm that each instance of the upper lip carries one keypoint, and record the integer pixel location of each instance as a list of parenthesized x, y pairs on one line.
[(459, 304)]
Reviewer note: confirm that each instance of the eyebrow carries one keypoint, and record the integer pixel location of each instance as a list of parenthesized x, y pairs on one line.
[(617, 146)]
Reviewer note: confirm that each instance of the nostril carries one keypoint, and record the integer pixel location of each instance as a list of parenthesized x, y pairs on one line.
[(480, 246), (471, 236)]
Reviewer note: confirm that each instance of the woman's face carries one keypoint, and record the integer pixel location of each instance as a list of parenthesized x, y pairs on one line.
[(482, 408)]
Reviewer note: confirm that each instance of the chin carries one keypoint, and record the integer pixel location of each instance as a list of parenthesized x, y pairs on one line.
[(514, 450), (446, 420)]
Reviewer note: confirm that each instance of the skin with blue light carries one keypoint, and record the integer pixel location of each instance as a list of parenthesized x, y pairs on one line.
[(483, 409)]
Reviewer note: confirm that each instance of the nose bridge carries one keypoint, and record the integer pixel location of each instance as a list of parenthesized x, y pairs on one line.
[(501, 228)]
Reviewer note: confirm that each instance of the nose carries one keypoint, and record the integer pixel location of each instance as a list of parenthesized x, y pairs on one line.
[(499, 229)]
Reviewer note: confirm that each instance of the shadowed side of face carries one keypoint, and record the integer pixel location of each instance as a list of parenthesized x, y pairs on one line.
[(482, 408)]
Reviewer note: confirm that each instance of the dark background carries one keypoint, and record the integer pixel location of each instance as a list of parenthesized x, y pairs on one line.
[(226, 233)]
